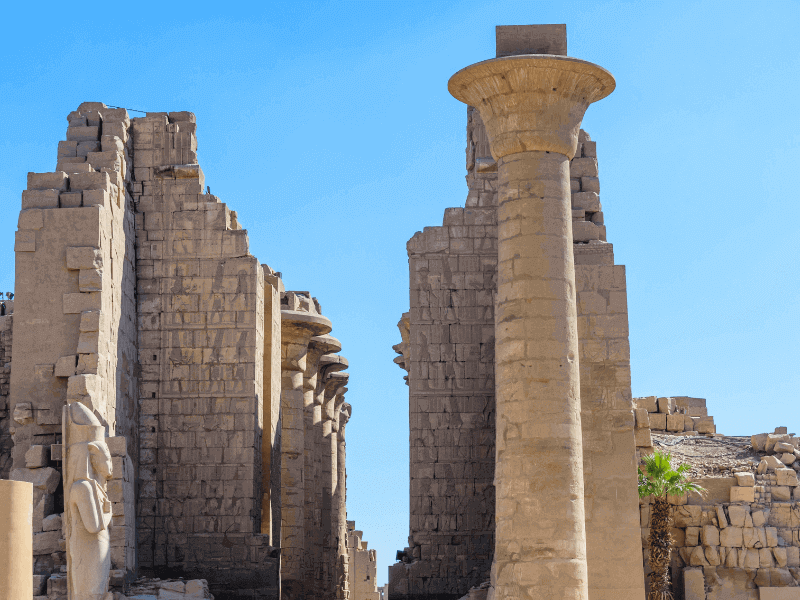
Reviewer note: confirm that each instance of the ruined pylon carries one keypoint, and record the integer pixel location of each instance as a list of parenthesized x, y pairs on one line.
[(532, 106)]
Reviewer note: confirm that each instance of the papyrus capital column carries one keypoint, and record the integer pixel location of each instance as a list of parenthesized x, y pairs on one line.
[(297, 329), (313, 396), (532, 107)]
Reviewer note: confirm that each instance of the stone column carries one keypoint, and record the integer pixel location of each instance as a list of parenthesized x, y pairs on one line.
[(297, 329), (343, 412), (16, 540), (333, 381), (312, 417), (532, 107)]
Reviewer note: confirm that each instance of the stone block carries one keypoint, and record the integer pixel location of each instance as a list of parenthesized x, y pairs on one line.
[(196, 588), (688, 516), (91, 320), (787, 458), (781, 447), (675, 422), (643, 438), (51, 523), (585, 231), (787, 477), (85, 147), (772, 463), (80, 302), (722, 518), (83, 385), (40, 199), (587, 201), (793, 556), (781, 493), (666, 405), (649, 403), (84, 257), (117, 445), (46, 542), (745, 479), (66, 365), (31, 218), (709, 535), (590, 184), (705, 425), (67, 149), (583, 167), (42, 509), (658, 421), (48, 181), (642, 418), (774, 438), (56, 452), (46, 479), (70, 199), (37, 456), (88, 342), (731, 537), (90, 280), (95, 198), (779, 593), (742, 494), (83, 134), (90, 181), (758, 441), (25, 241)]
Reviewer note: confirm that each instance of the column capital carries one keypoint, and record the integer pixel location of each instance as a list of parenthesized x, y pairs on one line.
[(297, 329), (532, 102)]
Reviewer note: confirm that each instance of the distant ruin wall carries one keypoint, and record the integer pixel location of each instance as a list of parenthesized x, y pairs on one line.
[(6, 442)]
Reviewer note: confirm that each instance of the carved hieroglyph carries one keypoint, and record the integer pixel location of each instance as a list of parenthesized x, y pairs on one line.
[(87, 511)]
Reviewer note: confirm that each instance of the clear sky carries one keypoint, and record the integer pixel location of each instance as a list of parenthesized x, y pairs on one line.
[(329, 129)]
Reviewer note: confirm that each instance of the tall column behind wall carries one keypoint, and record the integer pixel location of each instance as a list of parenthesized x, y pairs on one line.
[(540, 543), (312, 416), (343, 412), (332, 382)]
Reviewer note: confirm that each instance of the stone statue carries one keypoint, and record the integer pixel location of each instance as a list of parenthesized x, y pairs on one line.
[(87, 511)]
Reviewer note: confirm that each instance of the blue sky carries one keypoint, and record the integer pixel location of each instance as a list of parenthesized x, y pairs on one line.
[(329, 129)]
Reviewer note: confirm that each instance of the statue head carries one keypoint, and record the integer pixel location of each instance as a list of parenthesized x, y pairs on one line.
[(87, 453)]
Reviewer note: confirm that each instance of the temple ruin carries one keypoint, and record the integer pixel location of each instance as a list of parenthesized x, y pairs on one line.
[(518, 366), (172, 424), (217, 396)]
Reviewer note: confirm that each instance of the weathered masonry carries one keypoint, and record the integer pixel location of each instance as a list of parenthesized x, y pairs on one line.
[(448, 350), (220, 394)]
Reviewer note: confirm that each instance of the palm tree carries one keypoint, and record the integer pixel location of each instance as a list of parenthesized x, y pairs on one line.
[(660, 482)]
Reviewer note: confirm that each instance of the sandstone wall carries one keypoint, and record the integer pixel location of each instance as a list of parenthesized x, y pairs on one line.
[(75, 320), (449, 357), (201, 350)]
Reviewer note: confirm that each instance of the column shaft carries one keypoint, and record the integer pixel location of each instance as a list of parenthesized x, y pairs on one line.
[(292, 485), (540, 548), (16, 540), (340, 500)]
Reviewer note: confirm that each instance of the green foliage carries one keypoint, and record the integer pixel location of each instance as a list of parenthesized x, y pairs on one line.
[(661, 480)]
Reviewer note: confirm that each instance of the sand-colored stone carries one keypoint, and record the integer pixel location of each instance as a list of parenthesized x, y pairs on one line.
[(297, 329), (16, 554), (532, 107), (87, 510)]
